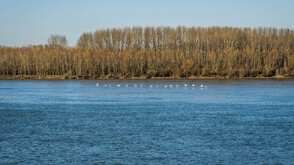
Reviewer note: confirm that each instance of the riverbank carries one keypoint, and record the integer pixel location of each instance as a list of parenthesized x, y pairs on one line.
[(58, 77)]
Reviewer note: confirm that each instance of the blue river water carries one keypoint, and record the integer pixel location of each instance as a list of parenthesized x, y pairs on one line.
[(147, 122)]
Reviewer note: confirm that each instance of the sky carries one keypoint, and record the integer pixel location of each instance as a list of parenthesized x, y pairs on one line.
[(31, 22)]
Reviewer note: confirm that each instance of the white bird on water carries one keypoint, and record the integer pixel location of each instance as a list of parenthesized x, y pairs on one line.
[(150, 86), (156, 86), (171, 86), (97, 84), (165, 86), (185, 85), (177, 85), (135, 85), (193, 85), (201, 86), (141, 85), (118, 85), (127, 85), (105, 85)]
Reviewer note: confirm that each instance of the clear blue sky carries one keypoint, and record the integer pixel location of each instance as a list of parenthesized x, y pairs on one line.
[(25, 22)]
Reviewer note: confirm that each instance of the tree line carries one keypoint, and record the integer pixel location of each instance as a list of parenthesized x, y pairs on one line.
[(159, 52)]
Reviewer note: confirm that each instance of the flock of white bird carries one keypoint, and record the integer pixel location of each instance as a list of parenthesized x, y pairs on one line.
[(141, 85)]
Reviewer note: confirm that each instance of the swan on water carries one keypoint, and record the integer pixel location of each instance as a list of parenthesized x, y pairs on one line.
[(97, 84), (201, 86), (118, 85), (185, 85), (193, 85)]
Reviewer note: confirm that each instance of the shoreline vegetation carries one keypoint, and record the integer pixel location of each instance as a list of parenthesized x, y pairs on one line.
[(58, 77), (156, 53)]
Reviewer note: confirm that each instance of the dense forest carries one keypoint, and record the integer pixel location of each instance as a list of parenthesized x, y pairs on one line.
[(158, 52)]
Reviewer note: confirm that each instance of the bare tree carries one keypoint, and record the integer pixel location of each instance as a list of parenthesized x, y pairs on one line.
[(57, 41)]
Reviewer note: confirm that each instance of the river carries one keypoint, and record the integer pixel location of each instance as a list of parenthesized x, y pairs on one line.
[(147, 122)]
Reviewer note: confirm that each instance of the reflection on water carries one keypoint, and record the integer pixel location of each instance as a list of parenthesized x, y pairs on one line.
[(147, 121)]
